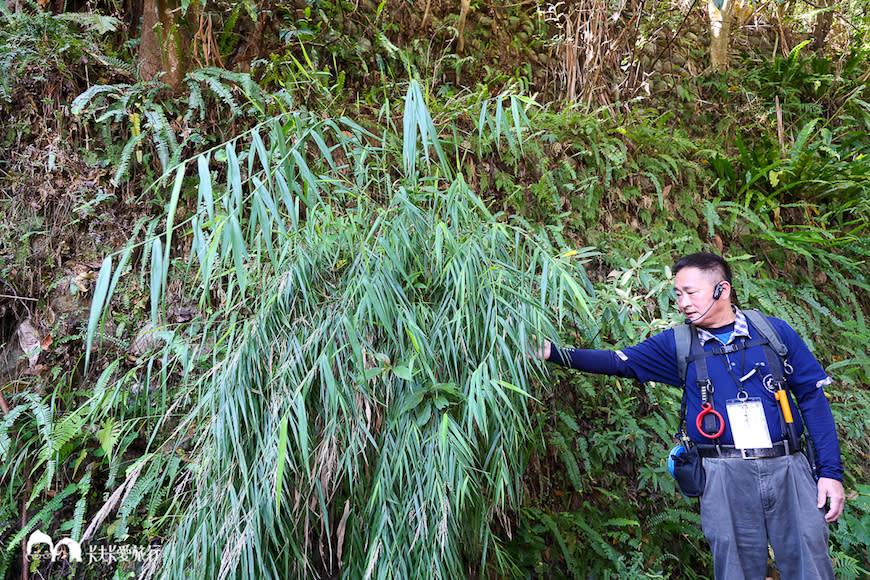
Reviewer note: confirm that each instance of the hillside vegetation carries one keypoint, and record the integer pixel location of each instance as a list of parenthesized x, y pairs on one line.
[(269, 273)]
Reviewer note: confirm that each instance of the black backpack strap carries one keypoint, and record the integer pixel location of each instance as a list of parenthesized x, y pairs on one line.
[(700, 358), (689, 349), (683, 338), (774, 348), (760, 322)]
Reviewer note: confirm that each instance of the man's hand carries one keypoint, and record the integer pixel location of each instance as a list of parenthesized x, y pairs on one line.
[(542, 353), (833, 490)]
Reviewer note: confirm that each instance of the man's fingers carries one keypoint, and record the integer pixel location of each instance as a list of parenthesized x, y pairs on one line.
[(831, 489), (835, 510), (541, 352)]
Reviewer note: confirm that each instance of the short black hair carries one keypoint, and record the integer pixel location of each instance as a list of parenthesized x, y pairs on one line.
[(705, 261)]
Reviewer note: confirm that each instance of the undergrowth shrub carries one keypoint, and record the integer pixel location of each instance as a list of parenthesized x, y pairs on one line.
[(36, 45), (142, 113)]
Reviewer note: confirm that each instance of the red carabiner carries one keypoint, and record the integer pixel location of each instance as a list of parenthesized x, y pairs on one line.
[(707, 409)]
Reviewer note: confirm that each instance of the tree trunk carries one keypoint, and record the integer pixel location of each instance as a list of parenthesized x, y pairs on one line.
[(465, 5), (824, 20), (163, 44), (720, 28)]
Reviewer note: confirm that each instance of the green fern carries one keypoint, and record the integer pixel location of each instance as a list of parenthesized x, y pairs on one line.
[(163, 136), (67, 428), (575, 567), (126, 156), (144, 485), (5, 427), (84, 487), (195, 101), (848, 567), (676, 516), (93, 93), (213, 82), (569, 461), (94, 22), (42, 517)]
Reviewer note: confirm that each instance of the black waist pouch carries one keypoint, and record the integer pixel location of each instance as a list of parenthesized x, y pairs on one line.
[(689, 472)]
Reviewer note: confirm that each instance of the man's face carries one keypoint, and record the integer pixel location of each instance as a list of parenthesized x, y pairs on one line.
[(694, 290)]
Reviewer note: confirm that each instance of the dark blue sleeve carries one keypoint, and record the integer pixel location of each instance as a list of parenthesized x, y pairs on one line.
[(654, 359), (807, 382), (602, 362)]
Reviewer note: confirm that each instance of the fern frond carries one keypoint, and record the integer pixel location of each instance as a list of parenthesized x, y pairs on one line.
[(162, 135), (674, 516), (213, 82), (131, 501), (114, 467), (194, 101), (84, 486), (69, 427), (126, 156), (81, 101), (118, 64), (41, 412), (94, 22), (5, 426), (568, 460), (43, 516), (43, 482), (109, 435), (575, 567)]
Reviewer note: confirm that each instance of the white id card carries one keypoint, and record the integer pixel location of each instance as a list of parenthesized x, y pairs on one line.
[(748, 423)]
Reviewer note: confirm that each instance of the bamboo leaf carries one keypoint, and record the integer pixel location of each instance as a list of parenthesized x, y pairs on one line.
[(98, 304), (158, 274), (280, 462), (206, 195), (170, 219)]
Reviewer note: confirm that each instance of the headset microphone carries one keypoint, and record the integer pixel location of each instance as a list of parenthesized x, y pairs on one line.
[(717, 293)]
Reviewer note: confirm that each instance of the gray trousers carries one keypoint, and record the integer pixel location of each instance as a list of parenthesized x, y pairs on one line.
[(750, 502)]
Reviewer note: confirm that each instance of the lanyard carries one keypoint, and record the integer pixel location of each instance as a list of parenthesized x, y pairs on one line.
[(738, 381)]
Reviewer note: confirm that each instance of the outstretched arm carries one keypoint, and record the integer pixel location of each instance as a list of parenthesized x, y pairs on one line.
[(604, 362)]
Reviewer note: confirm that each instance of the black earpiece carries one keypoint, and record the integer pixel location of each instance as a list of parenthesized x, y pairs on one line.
[(717, 293)]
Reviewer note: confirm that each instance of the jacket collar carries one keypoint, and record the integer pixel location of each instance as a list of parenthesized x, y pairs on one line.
[(741, 329)]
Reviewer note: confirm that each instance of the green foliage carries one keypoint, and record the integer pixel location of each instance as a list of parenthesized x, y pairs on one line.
[(35, 44), (395, 375), (351, 397), (850, 544), (34, 441), (143, 111)]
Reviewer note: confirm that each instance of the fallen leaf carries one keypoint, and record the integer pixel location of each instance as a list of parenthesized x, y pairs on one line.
[(29, 341)]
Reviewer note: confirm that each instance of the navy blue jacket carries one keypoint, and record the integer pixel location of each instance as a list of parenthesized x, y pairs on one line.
[(654, 359)]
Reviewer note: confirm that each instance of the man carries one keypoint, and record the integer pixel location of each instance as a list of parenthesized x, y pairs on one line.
[(762, 490)]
